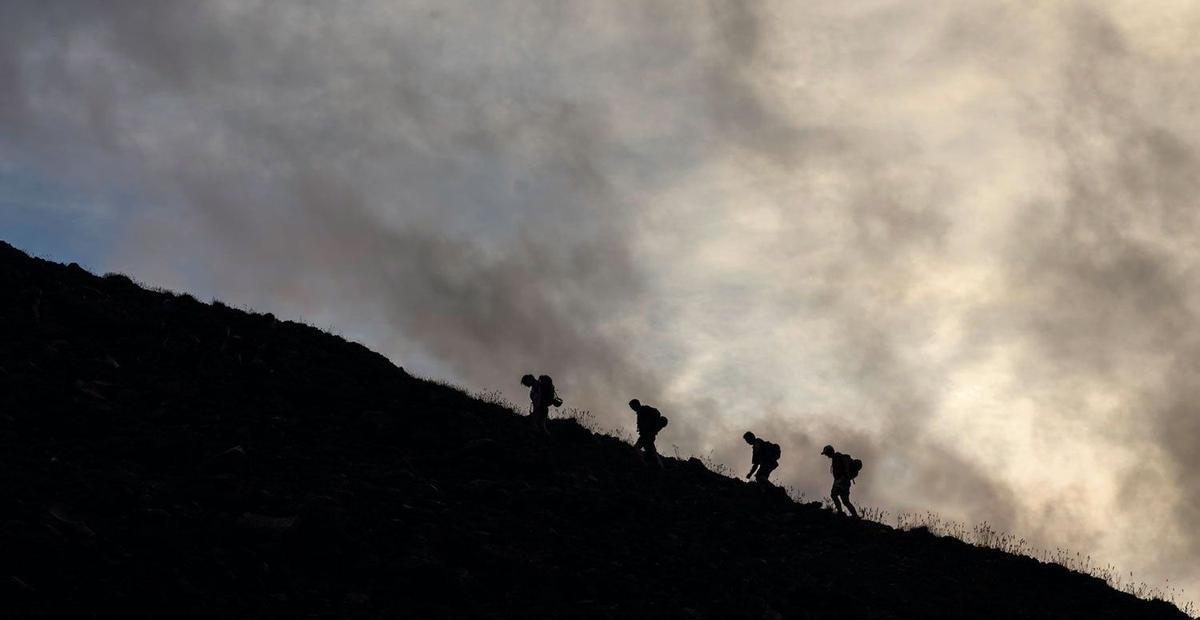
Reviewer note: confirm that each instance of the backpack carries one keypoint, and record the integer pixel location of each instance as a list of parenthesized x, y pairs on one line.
[(853, 468), (650, 420), (771, 451), (546, 391)]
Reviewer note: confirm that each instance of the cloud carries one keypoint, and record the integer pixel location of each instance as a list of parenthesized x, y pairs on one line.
[(955, 239)]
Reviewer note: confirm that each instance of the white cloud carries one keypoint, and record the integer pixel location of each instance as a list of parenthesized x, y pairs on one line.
[(956, 237)]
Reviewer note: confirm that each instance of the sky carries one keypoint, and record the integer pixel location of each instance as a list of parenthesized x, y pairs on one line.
[(955, 238)]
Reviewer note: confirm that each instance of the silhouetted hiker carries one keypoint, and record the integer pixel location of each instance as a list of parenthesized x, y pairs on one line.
[(844, 470), (541, 397), (764, 457), (649, 422)]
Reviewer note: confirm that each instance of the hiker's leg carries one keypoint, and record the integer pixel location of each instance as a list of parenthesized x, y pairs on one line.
[(837, 503), (764, 472), (643, 448), (846, 498), (653, 451), (540, 415)]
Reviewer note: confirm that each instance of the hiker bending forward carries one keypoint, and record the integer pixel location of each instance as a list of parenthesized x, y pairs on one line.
[(764, 458), (541, 397), (649, 422), (843, 475)]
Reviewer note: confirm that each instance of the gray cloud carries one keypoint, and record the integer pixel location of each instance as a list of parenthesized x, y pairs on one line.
[(956, 239), (1109, 268)]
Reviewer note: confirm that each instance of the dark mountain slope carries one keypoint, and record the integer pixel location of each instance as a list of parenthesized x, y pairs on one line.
[(164, 457)]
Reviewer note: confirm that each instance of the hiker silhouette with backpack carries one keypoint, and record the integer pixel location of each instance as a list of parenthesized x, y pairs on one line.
[(764, 458), (541, 397), (844, 469), (649, 422)]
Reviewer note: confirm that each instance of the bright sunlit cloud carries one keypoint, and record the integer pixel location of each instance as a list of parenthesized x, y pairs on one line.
[(957, 239)]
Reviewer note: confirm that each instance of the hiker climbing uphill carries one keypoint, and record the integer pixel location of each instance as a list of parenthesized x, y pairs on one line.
[(541, 397), (649, 422), (844, 469), (764, 458)]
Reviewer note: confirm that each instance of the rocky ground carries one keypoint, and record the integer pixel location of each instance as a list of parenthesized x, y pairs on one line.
[(162, 457)]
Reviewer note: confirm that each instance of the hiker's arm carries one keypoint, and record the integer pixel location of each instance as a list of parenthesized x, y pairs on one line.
[(753, 468)]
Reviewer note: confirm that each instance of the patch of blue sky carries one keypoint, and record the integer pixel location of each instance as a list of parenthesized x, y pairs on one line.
[(52, 219)]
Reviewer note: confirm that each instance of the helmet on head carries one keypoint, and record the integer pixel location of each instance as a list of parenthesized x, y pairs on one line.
[(827, 450)]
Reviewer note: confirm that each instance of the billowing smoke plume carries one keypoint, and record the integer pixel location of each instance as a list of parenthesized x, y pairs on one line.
[(957, 239)]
